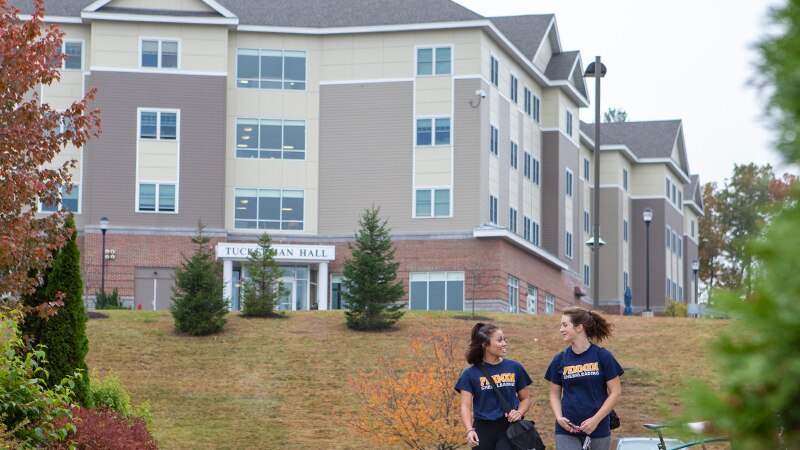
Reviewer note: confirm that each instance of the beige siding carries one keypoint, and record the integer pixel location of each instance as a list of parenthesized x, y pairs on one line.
[(433, 96), (542, 57), (647, 180), (158, 160), (433, 166)]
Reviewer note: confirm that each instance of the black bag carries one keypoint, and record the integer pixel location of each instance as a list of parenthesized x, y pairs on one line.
[(522, 433), (613, 420)]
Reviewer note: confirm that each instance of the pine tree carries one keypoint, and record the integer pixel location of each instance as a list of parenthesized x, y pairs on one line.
[(64, 334), (370, 285), (198, 304), (262, 289)]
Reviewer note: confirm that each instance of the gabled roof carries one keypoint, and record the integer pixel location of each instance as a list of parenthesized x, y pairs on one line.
[(655, 139), (561, 65), (693, 192), (64, 8), (525, 32)]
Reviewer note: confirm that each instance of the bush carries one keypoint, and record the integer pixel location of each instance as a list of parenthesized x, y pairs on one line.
[(99, 428), (108, 301), (28, 408), (198, 305), (676, 309), (262, 289), (111, 394)]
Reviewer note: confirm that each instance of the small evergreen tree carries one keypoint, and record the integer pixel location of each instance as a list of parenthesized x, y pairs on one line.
[(370, 285), (262, 289), (198, 305), (63, 334)]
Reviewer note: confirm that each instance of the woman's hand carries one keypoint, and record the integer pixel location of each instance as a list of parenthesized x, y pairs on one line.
[(513, 415), (472, 438), (589, 425), (567, 425)]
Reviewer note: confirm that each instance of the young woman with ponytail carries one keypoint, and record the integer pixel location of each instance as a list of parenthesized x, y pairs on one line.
[(584, 382), (484, 420)]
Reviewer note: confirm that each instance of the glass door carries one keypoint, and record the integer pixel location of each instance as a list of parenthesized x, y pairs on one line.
[(286, 302)]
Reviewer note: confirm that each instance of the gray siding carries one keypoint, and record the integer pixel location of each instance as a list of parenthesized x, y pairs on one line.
[(552, 195), (109, 172), (471, 147), (504, 156), (611, 254)]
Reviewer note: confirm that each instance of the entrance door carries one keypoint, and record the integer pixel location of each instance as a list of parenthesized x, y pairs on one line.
[(287, 301)]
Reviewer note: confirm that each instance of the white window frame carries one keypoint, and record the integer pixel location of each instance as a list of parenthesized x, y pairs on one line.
[(493, 206), (280, 220), (527, 164), (512, 219), (568, 124), (283, 79), (625, 179), (587, 228), (448, 276), (160, 41), (494, 140), (494, 71), (64, 51), (513, 294), (625, 230), (569, 186), (537, 109), (75, 186), (527, 100), (533, 299), (433, 120), (527, 228), (536, 171), (586, 168), (283, 148), (535, 238), (549, 303), (513, 157), (569, 244), (433, 49), (158, 190), (513, 88), (586, 274), (432, 190), (158, 112)]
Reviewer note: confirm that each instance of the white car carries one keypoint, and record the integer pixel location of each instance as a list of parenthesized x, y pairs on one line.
[(642, 443)]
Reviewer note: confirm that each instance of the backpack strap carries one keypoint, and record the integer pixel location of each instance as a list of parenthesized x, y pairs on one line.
[(503, 402)]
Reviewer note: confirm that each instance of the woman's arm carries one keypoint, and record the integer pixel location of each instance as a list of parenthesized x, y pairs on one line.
[(614, 393), (524, 404), (466, 418), (555, 405)]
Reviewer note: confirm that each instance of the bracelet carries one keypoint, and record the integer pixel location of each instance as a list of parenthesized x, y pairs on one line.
[(470, 430)]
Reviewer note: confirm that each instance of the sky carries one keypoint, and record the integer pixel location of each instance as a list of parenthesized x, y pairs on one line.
[(694, 60)]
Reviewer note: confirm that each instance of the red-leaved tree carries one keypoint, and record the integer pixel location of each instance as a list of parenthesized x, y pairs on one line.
[(31, 134)]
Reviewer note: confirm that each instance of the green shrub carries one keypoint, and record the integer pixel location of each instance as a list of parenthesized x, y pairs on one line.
[(28, 407), (109, 393), (676, 309), (108, 301), (262, 289)]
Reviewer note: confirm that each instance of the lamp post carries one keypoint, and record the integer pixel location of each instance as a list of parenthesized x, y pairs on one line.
[(597, 71), (647, 215), (103, 229), (695, 268)]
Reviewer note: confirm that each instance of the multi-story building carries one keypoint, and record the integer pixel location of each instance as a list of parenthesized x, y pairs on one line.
[(644, 165), (294, 117)]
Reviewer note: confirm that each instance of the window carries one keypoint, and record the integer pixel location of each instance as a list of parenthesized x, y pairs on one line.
[(74, 52), (493, 140), (432, 203), (669, 287), (433, 131), (680, 248), (625, 279), (495, 71), (673, 193), (674, 242), (692, 227), (527, 228), (536, 109), (669, 236), (680, 198), (513, 89), (668, 185), (536, 171), (586, 275), (527, 101), (436, 291), (270, 138), (680, 292), (625, 179), (159, 53), (513, 154), (625, 230), (527, 163), (69, 201), (535, 233), (270, 69), (586, 224), (512, 220), (568, 179), (156, 197), (533, 299), (493, 209), (549, 303), (160, 125), (434, 61), (513, 294), (268, 209), (568, 241), (586, 169), (568, 128)]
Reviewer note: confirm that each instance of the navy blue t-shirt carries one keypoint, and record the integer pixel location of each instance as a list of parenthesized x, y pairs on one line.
[(510, 378), (583, 380)]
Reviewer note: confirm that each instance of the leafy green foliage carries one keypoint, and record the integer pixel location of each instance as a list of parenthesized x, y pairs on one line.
[(28, 407), (676, 309), (64, 334), (370, 285), (615, 115), (109, 393), (262, 289), (104, 300), (198, 306)]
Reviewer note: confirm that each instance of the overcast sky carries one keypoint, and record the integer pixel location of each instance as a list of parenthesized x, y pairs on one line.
[(693, 60)]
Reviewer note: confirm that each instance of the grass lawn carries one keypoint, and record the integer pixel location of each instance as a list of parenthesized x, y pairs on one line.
[(282, 383)]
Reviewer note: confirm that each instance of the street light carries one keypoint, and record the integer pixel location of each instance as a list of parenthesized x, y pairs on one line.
[(597, 71), (647, 215), (695, 268), (103, 229)]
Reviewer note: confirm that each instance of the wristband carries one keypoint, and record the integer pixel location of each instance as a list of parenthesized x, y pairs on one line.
[(470, 430)]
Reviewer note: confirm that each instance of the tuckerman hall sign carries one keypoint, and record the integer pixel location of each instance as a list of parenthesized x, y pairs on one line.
[(281, 252)]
